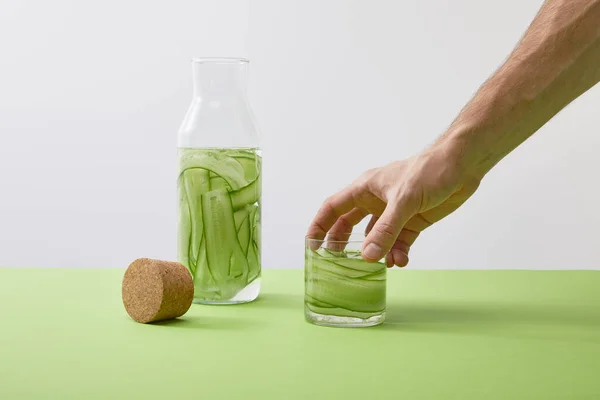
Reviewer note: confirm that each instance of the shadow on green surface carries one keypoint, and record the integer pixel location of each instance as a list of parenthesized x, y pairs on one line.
[(496, 319), (279, 300), (206, 322), (235, 317)]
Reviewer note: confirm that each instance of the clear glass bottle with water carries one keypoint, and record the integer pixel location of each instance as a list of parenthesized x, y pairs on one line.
[(219, 185)]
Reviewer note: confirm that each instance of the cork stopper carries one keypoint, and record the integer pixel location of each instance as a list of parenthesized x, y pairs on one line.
[(155, 290)]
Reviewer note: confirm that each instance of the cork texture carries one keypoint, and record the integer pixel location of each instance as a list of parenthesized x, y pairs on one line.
[(155, 290)]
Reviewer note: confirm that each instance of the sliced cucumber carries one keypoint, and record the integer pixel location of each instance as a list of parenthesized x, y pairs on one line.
[(195, 182), (217, 182), (376, 276), (226, 260), (318, 303), (342, 286), (239, 216), (351, 294), (328, 265), (253, 262), (253, 248), (328, 253), (244, 235), (219, 219), (256, 230), (251, 166), (184, 228), (226, 167), (360, 265), (249, 194), (340, 312), (204, 284)]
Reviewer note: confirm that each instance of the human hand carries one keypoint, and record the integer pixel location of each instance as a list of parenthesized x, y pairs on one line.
[(403, 197)]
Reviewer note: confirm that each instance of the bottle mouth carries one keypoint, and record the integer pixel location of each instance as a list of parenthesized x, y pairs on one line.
[(220, 60)]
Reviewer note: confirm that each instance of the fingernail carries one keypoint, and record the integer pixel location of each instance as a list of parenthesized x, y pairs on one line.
[(373, 251)]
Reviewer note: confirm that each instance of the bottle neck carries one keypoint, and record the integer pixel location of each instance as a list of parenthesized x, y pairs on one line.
[(219, 79)]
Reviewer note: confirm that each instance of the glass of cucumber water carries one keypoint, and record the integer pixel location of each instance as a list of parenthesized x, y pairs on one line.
[(341, 288)]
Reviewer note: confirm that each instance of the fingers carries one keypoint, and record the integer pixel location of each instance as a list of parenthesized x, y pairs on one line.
[(331, 210), (399, 253), (343, 227), (371, 223), (389, 260), (383, 234), (386, 230), (399, 258), (406, 238), (417, 223)]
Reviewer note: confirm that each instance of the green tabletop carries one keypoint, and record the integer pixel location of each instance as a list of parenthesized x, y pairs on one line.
[(449, 335)]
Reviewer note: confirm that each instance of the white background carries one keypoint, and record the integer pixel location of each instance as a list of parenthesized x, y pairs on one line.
[(92, 95)]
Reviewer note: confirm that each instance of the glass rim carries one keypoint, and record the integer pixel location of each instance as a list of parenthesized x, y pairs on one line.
[(354, 237), (220, 60)]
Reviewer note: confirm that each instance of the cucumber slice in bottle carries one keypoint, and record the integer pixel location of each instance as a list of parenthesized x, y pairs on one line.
[(256, 231), (253, 253), (184, 228), (195, 182), (248, 194), (239, 216), (226, 167), (250, 164), (216, 182), (245, 235), (219, 226), (227, 262), (253, 261), (204, 284)]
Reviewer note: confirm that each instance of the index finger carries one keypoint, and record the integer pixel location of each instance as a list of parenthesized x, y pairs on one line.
[(331, 210)]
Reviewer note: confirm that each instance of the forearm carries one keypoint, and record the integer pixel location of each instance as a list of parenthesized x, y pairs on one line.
[(557, 60)]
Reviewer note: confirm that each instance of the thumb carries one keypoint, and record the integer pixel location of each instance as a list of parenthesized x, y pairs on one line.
[(384, 233)]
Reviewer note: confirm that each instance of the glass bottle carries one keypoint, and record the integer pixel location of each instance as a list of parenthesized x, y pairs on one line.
[(219, 185)]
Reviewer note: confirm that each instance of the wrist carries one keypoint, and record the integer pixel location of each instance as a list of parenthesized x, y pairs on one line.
[(463, 147)]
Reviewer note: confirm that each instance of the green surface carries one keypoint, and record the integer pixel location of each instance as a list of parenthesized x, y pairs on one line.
[(449, 335)]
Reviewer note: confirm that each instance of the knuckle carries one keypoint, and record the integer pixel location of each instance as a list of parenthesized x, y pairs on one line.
[(319, 228), (408, 193), (402, 246), (328, 201), (343, 222), (366, 176), (328, 205), (385, 229), (370, 172), (361, 182)]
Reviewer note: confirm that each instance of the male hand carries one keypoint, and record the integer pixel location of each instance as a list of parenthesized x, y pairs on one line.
[(403, 197)]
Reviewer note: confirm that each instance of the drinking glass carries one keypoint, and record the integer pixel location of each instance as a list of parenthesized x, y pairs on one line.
[(341, 288)]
